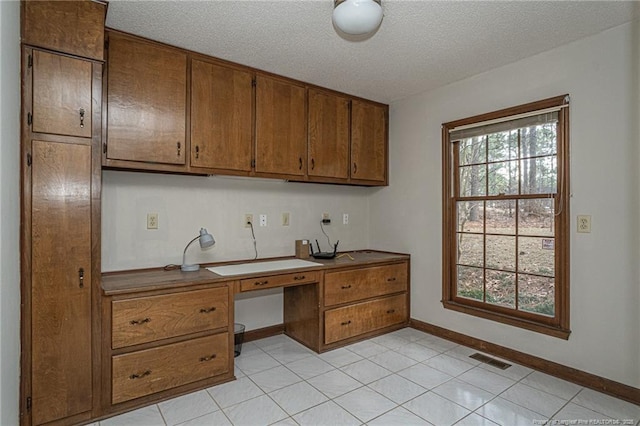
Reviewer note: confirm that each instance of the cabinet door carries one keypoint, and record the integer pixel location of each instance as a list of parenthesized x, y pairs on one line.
[(61, 95), (368, 141), (281, 128), (146, 101), (75, 27), (328, 135), (60, 280), (221, 104)]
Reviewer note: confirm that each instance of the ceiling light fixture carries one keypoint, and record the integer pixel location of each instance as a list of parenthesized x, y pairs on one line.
[(357, 17)]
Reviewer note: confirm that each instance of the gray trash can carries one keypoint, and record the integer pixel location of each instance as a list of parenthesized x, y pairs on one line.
[(238, 338)]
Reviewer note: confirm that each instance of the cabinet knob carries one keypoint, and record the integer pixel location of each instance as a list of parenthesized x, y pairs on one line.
[(197, 152), (81, 277), (390, 311), (344, 287), (313, 164), (207, 310), (299, 277), (355, 168), (300, 160), (140, 322), (141, 375), (81, 117), (265, 282), (391, 279), (345, 322), (178, 146), (208, 358)]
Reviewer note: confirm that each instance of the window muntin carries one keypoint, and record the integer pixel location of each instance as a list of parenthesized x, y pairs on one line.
[(506, 245)]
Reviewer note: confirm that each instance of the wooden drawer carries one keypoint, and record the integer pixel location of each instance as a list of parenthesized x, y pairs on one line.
[(149, 371), (349, 321), (283, 280), (146, 319), (358, 284)]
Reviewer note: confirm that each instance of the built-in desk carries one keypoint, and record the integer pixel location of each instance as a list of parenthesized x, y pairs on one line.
[(166, 333)]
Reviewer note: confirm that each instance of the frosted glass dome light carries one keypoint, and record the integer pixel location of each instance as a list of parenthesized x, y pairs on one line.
[(357, 16)]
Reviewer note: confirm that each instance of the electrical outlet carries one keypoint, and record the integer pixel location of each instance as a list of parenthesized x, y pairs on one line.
[(263, 220), (584, 224), (345, 218), (152, 220), (285, 219), (325, 216), (248, 219)]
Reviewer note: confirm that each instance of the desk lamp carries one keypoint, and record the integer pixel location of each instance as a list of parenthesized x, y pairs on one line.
[(206, 241)]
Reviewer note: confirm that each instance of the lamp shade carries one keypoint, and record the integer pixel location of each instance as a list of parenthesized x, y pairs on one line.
[(206, 239), (357, 16)]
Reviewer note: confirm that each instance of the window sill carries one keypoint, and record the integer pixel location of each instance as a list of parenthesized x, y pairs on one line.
[(549, 330)]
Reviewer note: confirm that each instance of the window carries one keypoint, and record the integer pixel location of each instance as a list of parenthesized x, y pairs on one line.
[(506, 216)]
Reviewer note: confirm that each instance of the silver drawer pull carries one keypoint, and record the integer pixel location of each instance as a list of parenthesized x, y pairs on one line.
[(390, 311), (345, 287), (208, 358), (141, 375), (345, 322), (391, 279), (265, 282), (299, 277), (207, 310), (139, 322)]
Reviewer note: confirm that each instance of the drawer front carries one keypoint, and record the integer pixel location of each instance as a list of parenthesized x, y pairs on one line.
[(153, 370), (279, 281), (358, 284), (146, 319), (349, 321)]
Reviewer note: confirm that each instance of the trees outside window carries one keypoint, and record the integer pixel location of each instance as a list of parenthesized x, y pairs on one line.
[(505, 213)]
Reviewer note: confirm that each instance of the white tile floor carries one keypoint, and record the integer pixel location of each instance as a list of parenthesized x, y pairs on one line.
[(402, 378)]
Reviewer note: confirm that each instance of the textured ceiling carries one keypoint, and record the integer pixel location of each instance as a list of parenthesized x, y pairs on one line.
[(420, 45)]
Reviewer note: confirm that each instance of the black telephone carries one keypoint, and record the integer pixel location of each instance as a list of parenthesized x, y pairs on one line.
[(324, 254)]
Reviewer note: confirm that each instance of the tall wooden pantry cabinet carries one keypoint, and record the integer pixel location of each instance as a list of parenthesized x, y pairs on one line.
[(62, 60)]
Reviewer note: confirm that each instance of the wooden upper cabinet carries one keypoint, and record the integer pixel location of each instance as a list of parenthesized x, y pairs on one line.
[(60, 287), (61, 94), (221, 113), (281, 127), (75, 27), (146, 101), (328, 135), (368, 141)]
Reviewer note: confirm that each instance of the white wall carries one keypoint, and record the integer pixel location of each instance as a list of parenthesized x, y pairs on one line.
[(9, 211), (186, 203), (598, 73)]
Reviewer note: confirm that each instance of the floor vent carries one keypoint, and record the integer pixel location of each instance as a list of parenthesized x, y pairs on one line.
[(491, 361)]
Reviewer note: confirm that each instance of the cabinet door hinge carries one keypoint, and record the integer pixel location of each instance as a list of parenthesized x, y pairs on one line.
[(28, 404), (30, 61), (29, 118), (29, 160), (253, 163), (253, 82)]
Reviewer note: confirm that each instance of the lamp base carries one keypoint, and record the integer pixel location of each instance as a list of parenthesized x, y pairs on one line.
[(189, 268)]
